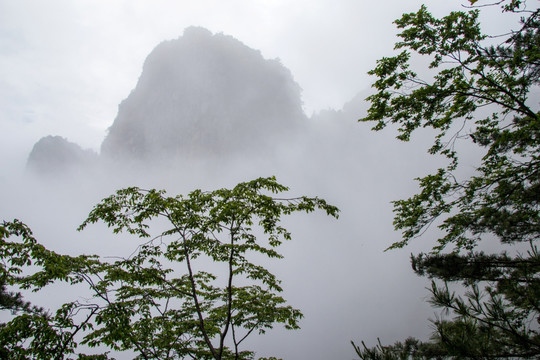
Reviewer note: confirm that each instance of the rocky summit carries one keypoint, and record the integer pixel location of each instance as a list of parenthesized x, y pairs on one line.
[(205, 95)]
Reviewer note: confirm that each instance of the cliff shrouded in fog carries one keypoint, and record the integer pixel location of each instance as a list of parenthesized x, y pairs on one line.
[(201, 95), (53, 154), (204, 94)]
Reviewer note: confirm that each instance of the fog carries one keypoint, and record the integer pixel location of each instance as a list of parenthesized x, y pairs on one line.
[(209, 111)]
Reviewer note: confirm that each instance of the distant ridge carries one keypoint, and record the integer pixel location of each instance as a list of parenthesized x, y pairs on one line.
[(55, 154)]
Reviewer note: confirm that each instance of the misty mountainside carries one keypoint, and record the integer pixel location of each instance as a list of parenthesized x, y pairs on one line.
[(205, 94), (209, 112), (53, 154), (199, 96)]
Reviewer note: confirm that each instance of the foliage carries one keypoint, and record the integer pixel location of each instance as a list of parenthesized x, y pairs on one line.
[(146, 303), (10, 300), (34, 333), (484, 94)]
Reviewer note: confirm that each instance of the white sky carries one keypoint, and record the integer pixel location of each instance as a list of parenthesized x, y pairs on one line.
[(66, 65)]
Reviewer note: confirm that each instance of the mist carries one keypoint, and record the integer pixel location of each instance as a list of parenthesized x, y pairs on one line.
[(208, 112)]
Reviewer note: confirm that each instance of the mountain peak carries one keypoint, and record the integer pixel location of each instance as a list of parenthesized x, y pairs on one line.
[(205, 94)]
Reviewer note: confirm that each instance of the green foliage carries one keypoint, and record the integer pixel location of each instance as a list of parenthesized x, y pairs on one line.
[(409, 349), (501, 196), (34, 333), (480, 93), (146, 302)]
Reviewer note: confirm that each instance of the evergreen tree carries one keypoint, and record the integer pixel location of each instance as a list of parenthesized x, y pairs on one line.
[(485, 91)]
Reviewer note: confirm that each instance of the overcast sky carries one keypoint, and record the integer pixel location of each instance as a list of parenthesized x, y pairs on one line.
[(66, 65)]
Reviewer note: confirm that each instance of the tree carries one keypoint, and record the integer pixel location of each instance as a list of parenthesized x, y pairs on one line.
[(484, 91), (10, 300), (33, 332), (146, 302)]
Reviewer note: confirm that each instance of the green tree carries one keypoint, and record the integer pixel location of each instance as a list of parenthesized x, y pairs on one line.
[(33, 332), (483, 90), (10, 300), (147, 303)]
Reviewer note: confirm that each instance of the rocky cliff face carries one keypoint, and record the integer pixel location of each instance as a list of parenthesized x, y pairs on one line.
[(205, 95)]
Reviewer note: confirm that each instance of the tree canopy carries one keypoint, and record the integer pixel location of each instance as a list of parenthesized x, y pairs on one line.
[(483, 90), (161, 302)]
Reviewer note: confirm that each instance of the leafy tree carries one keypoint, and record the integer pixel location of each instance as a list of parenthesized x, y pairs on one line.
[(34, 333), (484, 91), (10, 300), (146, 303)]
